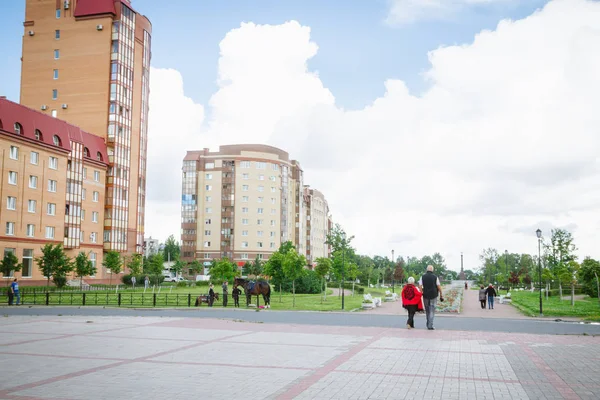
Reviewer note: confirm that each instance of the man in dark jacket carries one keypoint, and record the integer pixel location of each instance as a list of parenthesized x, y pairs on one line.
[(491, 293), (211, 295), (236, 296), (225, 292), (430, 286)]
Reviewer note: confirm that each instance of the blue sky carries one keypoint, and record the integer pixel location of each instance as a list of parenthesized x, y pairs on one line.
[(358, 50)]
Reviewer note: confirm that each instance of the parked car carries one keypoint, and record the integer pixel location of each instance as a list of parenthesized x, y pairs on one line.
[(175, 279)]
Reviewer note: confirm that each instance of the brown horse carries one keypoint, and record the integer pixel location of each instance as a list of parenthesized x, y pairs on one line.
[(205, 299), (255, 288)]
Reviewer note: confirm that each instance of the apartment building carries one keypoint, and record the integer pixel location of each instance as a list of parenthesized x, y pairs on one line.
[(87, 62), (51, 188), (317, 224), (242, 202)]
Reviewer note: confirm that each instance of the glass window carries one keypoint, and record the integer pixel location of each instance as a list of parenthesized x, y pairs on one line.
[(261, 188), (244, 256), (57, 34), (83, 192), (245, 176), (27, 262), (244, 233), (49, 232), (208, 221), (97, 176), (209, 165), (32, 182), (34, 158), (261, 165), (208, 210), (57, 13), (54, 94), (56, 54), (244, 244), (245, 199), (208, 199), (30, 230), (245, 188), (11, 203), (12, 177), (55, 74), (244, 209), (245, 164), (94, 216), (56, 140), (10, 228), (31, 206), (93, 259), (208, 176), (206, 244), (95, 196), (51, 209), (53, 163), (54, 113), (51, 185), (244, 221), (14, 152), (208, 187)]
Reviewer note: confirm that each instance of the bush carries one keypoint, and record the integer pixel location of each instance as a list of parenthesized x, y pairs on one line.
[(360, 290), (182, 284), (59, 281), (308, 283)]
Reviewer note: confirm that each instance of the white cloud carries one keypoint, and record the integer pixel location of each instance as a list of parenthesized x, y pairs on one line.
[(505, 138), (409, 11)]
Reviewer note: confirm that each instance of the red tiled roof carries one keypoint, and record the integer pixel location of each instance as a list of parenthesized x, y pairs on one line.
[(30, 120), (86, 8)]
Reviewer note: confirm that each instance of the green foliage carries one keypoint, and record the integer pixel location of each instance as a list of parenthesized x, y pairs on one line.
[(54, 263), (60, 281), (83, 267), (223, 270), (178, 267), (171, 250), (196, 267), (182, 284), (9, 264), (323, 266), (256, 267), (588, 273), (529, 303), (308, 283), (274, 266), (113, 262), (154, 266), (134, 264)]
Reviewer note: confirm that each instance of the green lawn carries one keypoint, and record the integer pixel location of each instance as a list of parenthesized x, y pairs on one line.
[(529, 304)]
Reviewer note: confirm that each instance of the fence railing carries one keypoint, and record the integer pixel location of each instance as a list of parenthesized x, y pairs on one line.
[(97, 298)]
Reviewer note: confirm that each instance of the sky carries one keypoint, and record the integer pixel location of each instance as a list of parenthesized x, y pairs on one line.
[(431, 126)]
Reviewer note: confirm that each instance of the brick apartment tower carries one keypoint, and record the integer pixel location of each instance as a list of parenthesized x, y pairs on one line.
[(87, 62)]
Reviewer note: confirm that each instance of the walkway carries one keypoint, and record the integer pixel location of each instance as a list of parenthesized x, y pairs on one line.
[(472, 308), (190, 358)]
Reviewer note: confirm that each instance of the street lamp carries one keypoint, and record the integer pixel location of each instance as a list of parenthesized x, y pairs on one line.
[(393, 271), (343, 266), (506, 262), (539, 236)]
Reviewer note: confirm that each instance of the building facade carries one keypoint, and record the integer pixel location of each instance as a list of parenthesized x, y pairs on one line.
[(52, 188), (241, 202), (87, 62)]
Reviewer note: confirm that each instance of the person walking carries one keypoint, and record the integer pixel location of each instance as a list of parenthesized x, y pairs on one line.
[(430, 286), (225, 292), (491, 293), (146, 282), (412, 301), (482, 296), (133, 280), (211, 295), (14, 288)]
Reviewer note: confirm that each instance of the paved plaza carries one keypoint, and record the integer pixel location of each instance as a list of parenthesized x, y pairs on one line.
[(114, 357)]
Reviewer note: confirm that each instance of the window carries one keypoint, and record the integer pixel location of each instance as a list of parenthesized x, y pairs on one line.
[(275, 167), (244, 209), (260, 199), (56, 140), (57, 33), (272, 178), (207, 221), (32, 182), (273, 200), (260, 210), (81, 236), (244, 233), (18, 128), (208, 199), (11, 203), (209, 165), (54, 113), (83, 192), (273, 189), (54, 94), (245, 188), (93, 237), (244, 256), (208, 188), (272, 222), (245, 199), (93, 259), (245, 164), (208, 176), (10, 228), (51, 185), (208, 210), (12, 177), (260, 221), (55, 74), (244, 221), (49, 232), (261, 177), (261, 165), (51, 209), (244, 244), (207, 233), (259, 244), (84, 173), (34, 158), (206, 255), (30, 230), (95, 196), (99, 156), (56, 54), (245, 176), (14, 152), (260, 256), (27, 263), (272, 234), (272, 245), (82, 214), (38, 135), (97, 176), (259, 233), (273, 211), (57, 13), (31, 206), (53, 163), (206, 244), (261, 188), (95, 216)]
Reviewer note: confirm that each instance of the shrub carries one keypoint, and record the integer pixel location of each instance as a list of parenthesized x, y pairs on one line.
[(360, 290), (59, 281), (182, 284)]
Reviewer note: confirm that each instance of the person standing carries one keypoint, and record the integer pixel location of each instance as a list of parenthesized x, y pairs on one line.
[(430, 286), (146, 282), (225, 292), (482, 296), (211, 295), (236, 296), (491, 293), (133, 280), (14, 287), (411, 300)]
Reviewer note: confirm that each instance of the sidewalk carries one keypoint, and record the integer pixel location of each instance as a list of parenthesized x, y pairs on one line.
[(472, 308)]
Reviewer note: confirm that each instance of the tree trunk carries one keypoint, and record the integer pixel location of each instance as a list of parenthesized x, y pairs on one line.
[(280, 292), (294, 293), (560, 289), (547, 288), (597, 285), (80, 283), (572, 293), (340, 292), (323, 291), (352, 288), (48, 283), (325, 296), (110, 279)]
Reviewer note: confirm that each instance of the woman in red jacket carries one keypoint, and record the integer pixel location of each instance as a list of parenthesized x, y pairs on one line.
[(411, 300)]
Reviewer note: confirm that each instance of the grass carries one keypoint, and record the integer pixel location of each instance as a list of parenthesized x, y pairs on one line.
[(529, 304)]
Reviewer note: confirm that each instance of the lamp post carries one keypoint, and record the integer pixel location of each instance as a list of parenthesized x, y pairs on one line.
[(506, 262), (539, 236), (343, 266), (393, 271)]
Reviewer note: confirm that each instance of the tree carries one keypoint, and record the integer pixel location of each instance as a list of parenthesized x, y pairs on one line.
[(255, 268), (171, 250), (247, 268), (155, 264), (54, 263), (196, 267), (223, 270), (588, 274), (352, 273), (177, 267), (322, 270), (293, 267), (399, 271), (83, 267), (113, 262), (134, 264), (341, 253), (9, 264), (274, 266), (560, 256)]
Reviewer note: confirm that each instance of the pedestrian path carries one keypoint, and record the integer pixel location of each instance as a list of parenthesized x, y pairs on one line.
[(472, 308)]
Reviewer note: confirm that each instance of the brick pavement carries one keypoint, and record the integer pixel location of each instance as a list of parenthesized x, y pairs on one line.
[(148, 357)]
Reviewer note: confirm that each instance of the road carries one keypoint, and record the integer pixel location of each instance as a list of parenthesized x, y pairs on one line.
[(355, 319)]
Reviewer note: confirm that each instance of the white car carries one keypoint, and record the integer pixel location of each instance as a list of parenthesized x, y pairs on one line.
[(175, 279)]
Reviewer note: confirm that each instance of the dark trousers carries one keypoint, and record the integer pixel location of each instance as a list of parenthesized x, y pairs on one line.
[(224, 299), (412, 309), (482, 303), (11, 296), (236, 301), (210, 301)]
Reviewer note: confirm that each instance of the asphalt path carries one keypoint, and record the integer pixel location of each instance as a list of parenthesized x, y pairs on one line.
[(533, 325)]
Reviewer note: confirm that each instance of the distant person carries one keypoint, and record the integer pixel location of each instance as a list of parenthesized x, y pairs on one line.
[(146, 282), (412, 301), (491, 293), (466, 286), (482, 296), (133, 280), (236, 296), (14, 288), (430, 286), (211, 295), (225, 292)]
